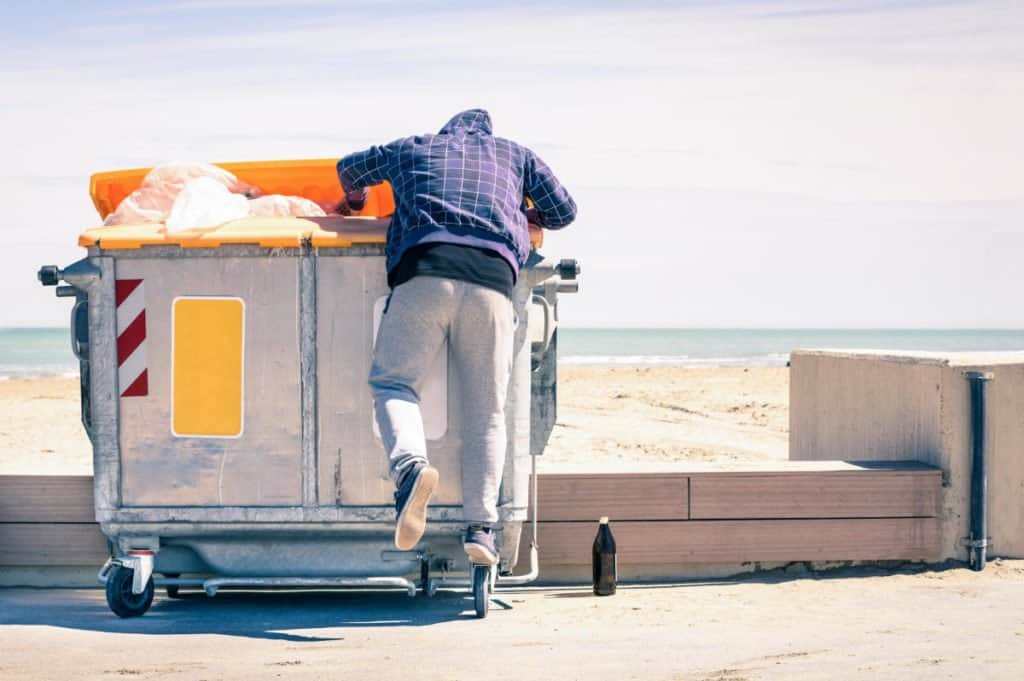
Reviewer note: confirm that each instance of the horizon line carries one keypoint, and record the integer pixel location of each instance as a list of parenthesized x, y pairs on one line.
[(632, 327)]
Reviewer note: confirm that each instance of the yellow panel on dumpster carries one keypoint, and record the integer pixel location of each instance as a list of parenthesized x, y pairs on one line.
[(207, 361)]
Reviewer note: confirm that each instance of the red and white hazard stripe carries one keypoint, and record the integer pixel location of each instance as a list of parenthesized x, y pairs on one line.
[(132, 377)]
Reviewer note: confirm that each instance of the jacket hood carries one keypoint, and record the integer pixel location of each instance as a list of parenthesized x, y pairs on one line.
[(469, 121)]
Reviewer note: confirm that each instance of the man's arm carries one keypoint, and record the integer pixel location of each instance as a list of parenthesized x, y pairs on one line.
[(361, 170), (554, 207)]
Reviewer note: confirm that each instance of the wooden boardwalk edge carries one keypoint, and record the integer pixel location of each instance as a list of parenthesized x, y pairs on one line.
[(52, 544), (742, 541), (835, 513)]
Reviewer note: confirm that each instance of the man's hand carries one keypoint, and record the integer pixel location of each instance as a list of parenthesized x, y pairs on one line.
[(356, 199), (533, 217)]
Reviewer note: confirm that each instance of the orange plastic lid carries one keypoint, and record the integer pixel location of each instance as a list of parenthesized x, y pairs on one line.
[(315, 179), (330, 232), (342, 232), (269, 232)]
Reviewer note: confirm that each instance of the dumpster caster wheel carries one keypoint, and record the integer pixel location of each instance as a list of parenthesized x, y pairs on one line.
[(481, 589), (172, 590), (120, 597)]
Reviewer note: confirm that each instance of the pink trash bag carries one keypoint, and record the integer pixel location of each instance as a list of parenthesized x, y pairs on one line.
[(153, 200), (281, 206)]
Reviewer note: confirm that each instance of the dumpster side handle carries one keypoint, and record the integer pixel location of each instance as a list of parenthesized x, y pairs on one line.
[(518, 580)]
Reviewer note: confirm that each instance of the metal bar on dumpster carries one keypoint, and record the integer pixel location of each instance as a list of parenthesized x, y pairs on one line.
[(103, 386), (519, 580), (308, 373), (211, 586)]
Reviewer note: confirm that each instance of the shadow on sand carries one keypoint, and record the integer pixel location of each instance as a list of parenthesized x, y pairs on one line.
[(264, 615), (789, 573), (315, 616)]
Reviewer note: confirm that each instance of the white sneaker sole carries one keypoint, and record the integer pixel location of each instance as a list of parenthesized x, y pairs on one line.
[(412, 521), (480, 555)]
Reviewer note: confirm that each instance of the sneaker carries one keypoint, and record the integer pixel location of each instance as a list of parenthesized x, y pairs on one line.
[(479, 546), (414, 491)]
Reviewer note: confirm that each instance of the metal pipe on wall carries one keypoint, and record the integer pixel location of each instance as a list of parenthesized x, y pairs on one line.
[(977, 541)]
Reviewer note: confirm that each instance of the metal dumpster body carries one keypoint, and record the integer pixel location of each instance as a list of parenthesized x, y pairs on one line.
[(302, 489), (224, 390)]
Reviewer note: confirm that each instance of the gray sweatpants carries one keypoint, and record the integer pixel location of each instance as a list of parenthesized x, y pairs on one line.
[(478, 323)]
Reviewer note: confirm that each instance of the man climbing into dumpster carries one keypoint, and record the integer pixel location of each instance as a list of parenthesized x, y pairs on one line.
[(455, 245)]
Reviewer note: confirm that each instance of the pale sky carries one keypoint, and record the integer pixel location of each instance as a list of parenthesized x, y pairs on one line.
[(743, 163)]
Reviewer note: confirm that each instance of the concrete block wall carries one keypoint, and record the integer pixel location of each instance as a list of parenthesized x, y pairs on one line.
[(878, 406)]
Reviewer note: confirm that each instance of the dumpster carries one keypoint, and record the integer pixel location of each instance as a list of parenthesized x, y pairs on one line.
[(223, 374)]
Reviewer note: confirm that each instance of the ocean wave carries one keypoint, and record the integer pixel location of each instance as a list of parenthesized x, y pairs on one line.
[(8, 372), (772, 360)]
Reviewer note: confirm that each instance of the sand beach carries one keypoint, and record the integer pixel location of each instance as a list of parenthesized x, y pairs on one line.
[(781, 624), (608, 418)]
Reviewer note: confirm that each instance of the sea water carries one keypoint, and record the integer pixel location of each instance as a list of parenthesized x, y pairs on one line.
[(36, 352), (761, 347), (47, 352)]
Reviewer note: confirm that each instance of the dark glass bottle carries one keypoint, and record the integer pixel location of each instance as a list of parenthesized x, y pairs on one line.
[(606, 565)]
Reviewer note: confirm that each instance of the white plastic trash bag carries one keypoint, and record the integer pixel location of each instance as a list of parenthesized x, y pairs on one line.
[(205, 202), (153, 200), (179, 174), (281, 206)]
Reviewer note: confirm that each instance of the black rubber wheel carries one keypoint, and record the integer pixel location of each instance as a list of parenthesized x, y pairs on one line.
[(481, 589), (172, 590), (120, 598)]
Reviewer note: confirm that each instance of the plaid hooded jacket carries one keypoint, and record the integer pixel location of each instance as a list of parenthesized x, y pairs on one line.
[(461, 186)]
